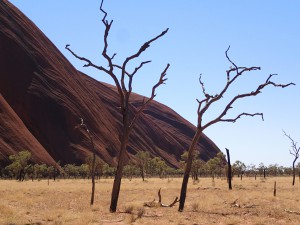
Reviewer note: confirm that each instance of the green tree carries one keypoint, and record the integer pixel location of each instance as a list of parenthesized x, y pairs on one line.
[(262, 169), (142, 162), (84, 170), (130, 170), (273, 169), (71, 170), (41, 171), (108, 171), (157, 166), (98, 165), (239, 168), (197, 164), (19, 164)]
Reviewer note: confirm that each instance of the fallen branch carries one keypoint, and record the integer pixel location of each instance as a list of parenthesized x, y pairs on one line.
[(237, 205), (293, 212), (233, 204), (159, 203)]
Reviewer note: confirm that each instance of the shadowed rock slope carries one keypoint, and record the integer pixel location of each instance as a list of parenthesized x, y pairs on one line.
[(42, 97)]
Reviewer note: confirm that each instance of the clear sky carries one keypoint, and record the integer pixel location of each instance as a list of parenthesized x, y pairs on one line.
[(261, 33)]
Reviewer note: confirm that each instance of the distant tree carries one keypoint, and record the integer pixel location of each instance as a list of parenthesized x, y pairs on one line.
[(41, 171), (129, 114), (298, 168), (98, 165), (239, 168), (108, 171), (71, 170), (19, 164), (288, 170), (197, 164), (130, 170), (84, 170), (262, 170), (142, 162), (273, 169), (251, 170), (232, 75), (157, 167), (295, 152)]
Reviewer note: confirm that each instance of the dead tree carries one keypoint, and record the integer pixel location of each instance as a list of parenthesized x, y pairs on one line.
[(295, 152), (129, 114), (84, 126), (233, 74), (229, 172)]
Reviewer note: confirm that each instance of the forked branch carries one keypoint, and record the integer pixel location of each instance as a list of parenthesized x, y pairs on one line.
[(295, 150), (159, 203), (161, 81), (208, 100)]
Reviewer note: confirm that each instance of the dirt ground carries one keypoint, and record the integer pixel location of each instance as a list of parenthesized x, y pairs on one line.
[(67, 202)]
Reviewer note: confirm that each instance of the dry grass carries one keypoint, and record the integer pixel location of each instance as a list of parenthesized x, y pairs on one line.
[(67, 202)]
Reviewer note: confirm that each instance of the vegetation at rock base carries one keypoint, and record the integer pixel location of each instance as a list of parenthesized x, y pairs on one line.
[(21, 168)]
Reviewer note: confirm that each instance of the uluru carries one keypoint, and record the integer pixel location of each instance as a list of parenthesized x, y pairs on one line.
[(42, 97)]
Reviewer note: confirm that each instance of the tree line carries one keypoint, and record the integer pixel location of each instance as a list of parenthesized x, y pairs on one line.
[(143, 165)]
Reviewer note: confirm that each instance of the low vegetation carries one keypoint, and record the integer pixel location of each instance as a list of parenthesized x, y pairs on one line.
[(66, 201), (21, 168), (42, 194)]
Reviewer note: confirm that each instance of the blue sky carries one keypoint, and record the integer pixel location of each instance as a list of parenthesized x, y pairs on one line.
[(260, 33)]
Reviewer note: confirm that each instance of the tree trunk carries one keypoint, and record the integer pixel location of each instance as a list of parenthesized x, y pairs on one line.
[(188, 169), (119, 171), (93, 167), (93, 176), (294, 171), (143, 173), (229, 174)]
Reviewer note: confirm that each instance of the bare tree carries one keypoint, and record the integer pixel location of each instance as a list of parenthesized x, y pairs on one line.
[(232, 75), (229, 172), (129, 114), (85, 127), (295, 152)]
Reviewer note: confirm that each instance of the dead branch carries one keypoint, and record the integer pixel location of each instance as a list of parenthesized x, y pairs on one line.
[(211, 99), (161, 81), (159, 203), (234, 203), (292, 212), (295, 150)]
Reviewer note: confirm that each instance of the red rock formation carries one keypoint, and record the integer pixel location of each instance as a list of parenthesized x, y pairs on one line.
[(43, 96)]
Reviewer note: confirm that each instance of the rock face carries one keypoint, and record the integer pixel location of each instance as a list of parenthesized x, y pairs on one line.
[(42, 97)]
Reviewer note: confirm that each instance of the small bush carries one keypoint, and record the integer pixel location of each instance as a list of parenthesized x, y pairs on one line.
[(140, 212), (195, 207), (128, 209)]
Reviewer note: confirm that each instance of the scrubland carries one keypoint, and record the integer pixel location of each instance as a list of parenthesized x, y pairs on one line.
[(67, 202)]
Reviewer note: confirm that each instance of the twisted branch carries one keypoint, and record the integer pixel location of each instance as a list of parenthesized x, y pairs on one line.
[(210, 99), (295, 150), (161, 81)]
